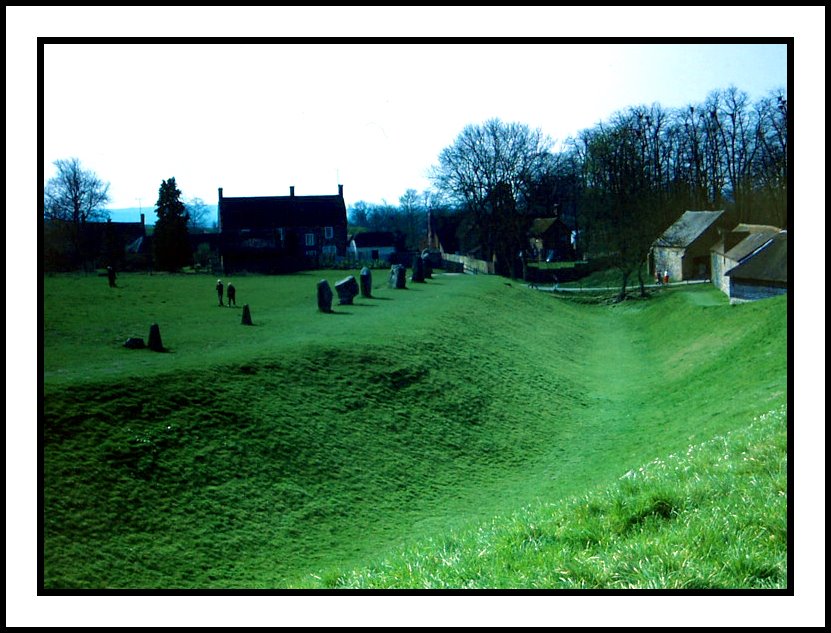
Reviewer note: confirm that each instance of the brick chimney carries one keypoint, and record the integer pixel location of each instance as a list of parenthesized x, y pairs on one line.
[(291, 191), (340, 190)]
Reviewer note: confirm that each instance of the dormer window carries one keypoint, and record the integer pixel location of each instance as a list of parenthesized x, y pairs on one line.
[(329, 232)]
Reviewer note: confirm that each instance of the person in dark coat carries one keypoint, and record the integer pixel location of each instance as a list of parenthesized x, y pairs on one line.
[(232, 295), (111, 276), (219, 289)]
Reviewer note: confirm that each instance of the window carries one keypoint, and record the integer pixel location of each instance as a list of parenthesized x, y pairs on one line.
[(330, 250), (281, 236), (310, 239), (329, 232)]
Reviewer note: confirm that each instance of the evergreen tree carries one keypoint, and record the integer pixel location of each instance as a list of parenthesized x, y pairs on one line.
[(170, 236)]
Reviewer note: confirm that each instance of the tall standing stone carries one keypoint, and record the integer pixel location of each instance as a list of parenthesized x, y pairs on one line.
[(366, 282), (154, 342), (324, 296), (398, 277), (347, 289), (246, 313), (418, 269), (428, 267)]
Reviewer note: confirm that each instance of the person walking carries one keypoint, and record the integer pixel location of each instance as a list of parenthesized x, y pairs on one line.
[(219, 289), (111, 276), (232, 295)]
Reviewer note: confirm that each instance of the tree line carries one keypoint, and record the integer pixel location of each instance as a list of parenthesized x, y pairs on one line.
[(618, 184), (73, 200), (621, 183)]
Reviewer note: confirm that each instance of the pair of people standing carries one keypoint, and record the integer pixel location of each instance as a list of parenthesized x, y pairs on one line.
[(232, 293)]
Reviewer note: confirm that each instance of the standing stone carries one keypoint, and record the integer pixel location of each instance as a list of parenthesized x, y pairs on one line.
[(246, 313), (134, 342), (154, 342), (428, 267), (347, 289), (324, 296), (366, 282), (418, 269), (398, 277)]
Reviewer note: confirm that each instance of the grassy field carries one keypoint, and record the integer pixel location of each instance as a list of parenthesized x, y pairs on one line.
[(289, 453)]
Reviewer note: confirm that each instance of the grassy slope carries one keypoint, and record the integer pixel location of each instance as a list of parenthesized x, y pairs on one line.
[(713, 516), (254, 457)]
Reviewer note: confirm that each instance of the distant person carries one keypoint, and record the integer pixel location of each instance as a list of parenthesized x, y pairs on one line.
[(111, 276), (232, 295), (658, 277), (219, 289), (666, 276)]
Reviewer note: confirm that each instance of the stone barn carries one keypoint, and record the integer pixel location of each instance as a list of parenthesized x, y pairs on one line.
[(733, 247), (684, 248), (763, 273)]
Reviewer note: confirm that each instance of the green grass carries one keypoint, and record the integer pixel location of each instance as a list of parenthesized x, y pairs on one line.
[(713, 516), (312, 444)]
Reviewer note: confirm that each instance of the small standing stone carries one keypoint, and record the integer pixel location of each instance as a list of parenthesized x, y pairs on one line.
[(347, 289), (324, 296), (154, 342), (418, 269), (398, 277), (246, 313), (134, 342), (366, 282)]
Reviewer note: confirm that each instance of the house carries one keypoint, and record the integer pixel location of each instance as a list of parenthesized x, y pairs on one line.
[(763, 273), (281, 233), (372, 246), (550, 240), (97, 244), (684, 248), (734, 246)]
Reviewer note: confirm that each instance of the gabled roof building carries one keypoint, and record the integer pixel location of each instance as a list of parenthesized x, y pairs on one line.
[(683, 250), (762, 273), (272, 234)]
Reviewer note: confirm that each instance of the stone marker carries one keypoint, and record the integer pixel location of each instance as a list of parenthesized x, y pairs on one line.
[(398, 277), (347, 289), (324, 296), (366, 282), (246, 313), (418, 269), (428, 267), (154, 342), (134, 342)]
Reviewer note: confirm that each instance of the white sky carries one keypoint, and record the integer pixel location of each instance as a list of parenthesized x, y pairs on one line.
[(210, 146), (255, 119)]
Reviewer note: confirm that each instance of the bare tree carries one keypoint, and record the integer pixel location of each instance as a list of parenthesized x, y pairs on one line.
[(198, 214), (71, 198), (75, 194), (486, 165)]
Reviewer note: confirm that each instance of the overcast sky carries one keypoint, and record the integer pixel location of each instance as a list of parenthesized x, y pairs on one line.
[(256, 119), (378, 121)]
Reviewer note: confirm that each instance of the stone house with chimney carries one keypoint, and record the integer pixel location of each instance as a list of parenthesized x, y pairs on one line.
[(274, 234)]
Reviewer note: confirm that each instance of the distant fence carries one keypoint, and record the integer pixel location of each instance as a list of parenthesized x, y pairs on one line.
[(461, 263)]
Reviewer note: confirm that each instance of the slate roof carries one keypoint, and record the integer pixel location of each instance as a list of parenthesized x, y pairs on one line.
[(749, 244), (270, 212), (769, 263), (688, 228), (370, 239)]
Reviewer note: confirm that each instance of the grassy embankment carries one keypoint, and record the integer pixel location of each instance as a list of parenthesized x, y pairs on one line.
[(311, 444)]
